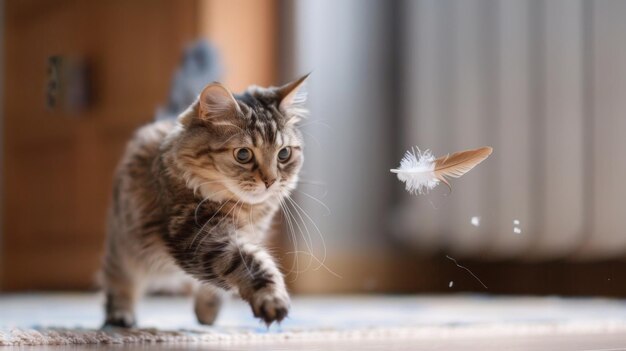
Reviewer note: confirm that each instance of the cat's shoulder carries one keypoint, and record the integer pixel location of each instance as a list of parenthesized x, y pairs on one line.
[(155, 131), (147, 140)]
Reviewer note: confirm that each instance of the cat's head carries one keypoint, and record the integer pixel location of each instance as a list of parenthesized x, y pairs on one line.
[(243, 147)]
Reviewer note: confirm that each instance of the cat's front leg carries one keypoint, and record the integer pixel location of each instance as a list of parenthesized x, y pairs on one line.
[(252, 270), (219, 253)]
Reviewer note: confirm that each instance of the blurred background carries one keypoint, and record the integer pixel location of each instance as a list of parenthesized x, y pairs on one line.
[(543, 82)]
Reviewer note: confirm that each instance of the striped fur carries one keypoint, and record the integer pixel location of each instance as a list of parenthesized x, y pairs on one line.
[(185, 210)]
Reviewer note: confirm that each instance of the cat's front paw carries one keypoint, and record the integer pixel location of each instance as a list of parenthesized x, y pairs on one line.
[(270, 305)]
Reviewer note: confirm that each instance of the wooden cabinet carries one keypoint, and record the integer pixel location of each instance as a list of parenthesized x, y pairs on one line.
[(58, 162)]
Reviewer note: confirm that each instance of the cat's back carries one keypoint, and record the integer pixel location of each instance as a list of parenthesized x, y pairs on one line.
[(135, 179), (147, 140), (143, 148), (136, 219)]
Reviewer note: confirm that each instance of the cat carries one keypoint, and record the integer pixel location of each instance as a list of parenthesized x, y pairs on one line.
[(193, 198)]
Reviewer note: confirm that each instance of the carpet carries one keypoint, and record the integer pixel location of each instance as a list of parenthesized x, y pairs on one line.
[(64, 319)]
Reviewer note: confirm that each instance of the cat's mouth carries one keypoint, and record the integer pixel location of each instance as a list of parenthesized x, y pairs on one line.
[(253, 194), (255, 197)]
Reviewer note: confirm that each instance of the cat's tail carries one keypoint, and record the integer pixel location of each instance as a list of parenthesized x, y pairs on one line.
[(199, 66)]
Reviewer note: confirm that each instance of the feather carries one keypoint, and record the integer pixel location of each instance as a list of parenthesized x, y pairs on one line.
[(422, 172)]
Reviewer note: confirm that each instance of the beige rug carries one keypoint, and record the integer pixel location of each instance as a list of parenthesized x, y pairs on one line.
[(74, 319)]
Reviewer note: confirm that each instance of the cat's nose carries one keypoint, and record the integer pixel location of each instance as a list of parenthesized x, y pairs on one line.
[(269, 182)]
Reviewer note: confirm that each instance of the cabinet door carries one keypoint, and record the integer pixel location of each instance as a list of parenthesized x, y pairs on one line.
[(59, 160)]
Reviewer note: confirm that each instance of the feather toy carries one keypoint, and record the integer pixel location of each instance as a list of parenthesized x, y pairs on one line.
[(422, 172)]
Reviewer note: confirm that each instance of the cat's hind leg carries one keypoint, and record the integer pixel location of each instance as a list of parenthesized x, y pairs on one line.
[(121, 292), (119, 310), (208, 301)]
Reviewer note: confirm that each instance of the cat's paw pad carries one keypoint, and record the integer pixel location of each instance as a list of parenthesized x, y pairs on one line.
[(270, 306), (120, 319)]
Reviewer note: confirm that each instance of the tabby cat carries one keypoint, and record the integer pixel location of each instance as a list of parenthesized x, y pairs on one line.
[(193, 198)]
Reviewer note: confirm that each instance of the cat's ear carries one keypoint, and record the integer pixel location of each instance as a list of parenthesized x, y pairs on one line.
[(214, 105), (217, 102), (292, 98)]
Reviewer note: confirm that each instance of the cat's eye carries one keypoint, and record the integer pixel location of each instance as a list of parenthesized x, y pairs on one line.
[(243, 155), (284, 154)]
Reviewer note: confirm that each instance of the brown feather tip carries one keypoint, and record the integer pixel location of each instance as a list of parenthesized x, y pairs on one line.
[(459, 163)]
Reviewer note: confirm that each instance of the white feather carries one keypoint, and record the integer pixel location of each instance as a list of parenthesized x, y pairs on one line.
[(417, 171), (421, 171)]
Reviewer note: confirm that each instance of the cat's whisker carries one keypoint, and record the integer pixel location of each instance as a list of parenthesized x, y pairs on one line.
[(320, 235), (322, 265), (291, 219), (316, 200), (309, 243), (292, 237), (311, 255), (312, 122), (296, 255), (207, 222), (198, 186), (315, 139), (218, 222), (312, 182), (209, 182), (237, 238), (195, 213), (308, 240)]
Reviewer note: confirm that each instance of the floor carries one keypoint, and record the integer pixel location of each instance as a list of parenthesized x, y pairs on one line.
[(544, 343), (467, 322)]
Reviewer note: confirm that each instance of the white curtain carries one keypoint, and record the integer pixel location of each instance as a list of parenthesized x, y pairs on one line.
[(543, 82)]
